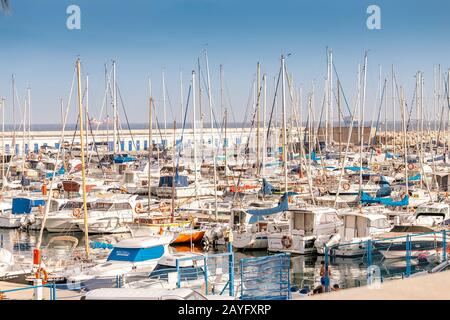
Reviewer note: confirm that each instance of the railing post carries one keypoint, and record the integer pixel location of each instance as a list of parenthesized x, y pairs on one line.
[(408, 255), (205, 263), (444, 245), (37, 289), (327, 280), (178, 274), (54, 290), (231, 269), (369, 252)]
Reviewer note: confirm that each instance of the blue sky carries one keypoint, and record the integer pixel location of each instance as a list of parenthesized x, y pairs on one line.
[(145, 37)]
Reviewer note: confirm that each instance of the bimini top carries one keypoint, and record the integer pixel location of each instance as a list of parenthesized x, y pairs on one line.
[(25, 205)]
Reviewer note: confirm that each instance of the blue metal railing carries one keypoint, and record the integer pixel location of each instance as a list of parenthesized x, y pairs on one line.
[(51, 286), (420, 253)]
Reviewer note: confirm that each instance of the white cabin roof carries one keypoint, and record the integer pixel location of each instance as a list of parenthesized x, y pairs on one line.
[(143, 242)]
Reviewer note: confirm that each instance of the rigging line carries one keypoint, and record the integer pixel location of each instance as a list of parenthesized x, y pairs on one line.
[(184, 125), (342, 89), (247, 109), (245, 151), (89, 125), (273, 106), (411, 109), (229, 102), (170, 103), (126, 116), (379, 115)]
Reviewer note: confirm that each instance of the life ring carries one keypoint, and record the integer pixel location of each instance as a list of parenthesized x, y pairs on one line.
[(42, 272), (55, 194), (77, 213), (286, 241), (139, 208), (163, 207), (318, 180), (411, 166), (346, 186)]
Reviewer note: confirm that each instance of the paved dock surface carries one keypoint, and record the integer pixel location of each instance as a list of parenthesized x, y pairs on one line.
[(28, 294), (425, 287)]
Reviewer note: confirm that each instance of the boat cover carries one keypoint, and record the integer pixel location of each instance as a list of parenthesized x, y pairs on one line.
[(366, 198), (283, 205)]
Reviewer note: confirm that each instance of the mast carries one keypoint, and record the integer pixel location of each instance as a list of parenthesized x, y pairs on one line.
[(83, 168), (405, 146), (212, 135), (362, 122), (87, 114), (29, 117), (172, 211), (200, 108), (114, 109), (330, 95), (283, 106), (181, 96), (264, 150), (164, 103), (150, 143), (258, 94), (14, 114), (194, 128), (393, 110)]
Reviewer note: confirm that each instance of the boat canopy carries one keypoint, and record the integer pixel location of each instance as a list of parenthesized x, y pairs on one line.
[(267, 188), (283, 205), (136, 254), (180, 181), (122, 158), (25, 205), (60, 172), (357, 168), (366, 198), (415, 178)]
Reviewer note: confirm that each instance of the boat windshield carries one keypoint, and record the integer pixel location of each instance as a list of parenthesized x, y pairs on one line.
[(381, 223), (101, 206), (75, 205)]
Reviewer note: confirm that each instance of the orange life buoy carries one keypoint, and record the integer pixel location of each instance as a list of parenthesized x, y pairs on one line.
[(77, 213), (410, 166), (318, 180), (42, 272), (139, 208), (286, 241), (346, 186)]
